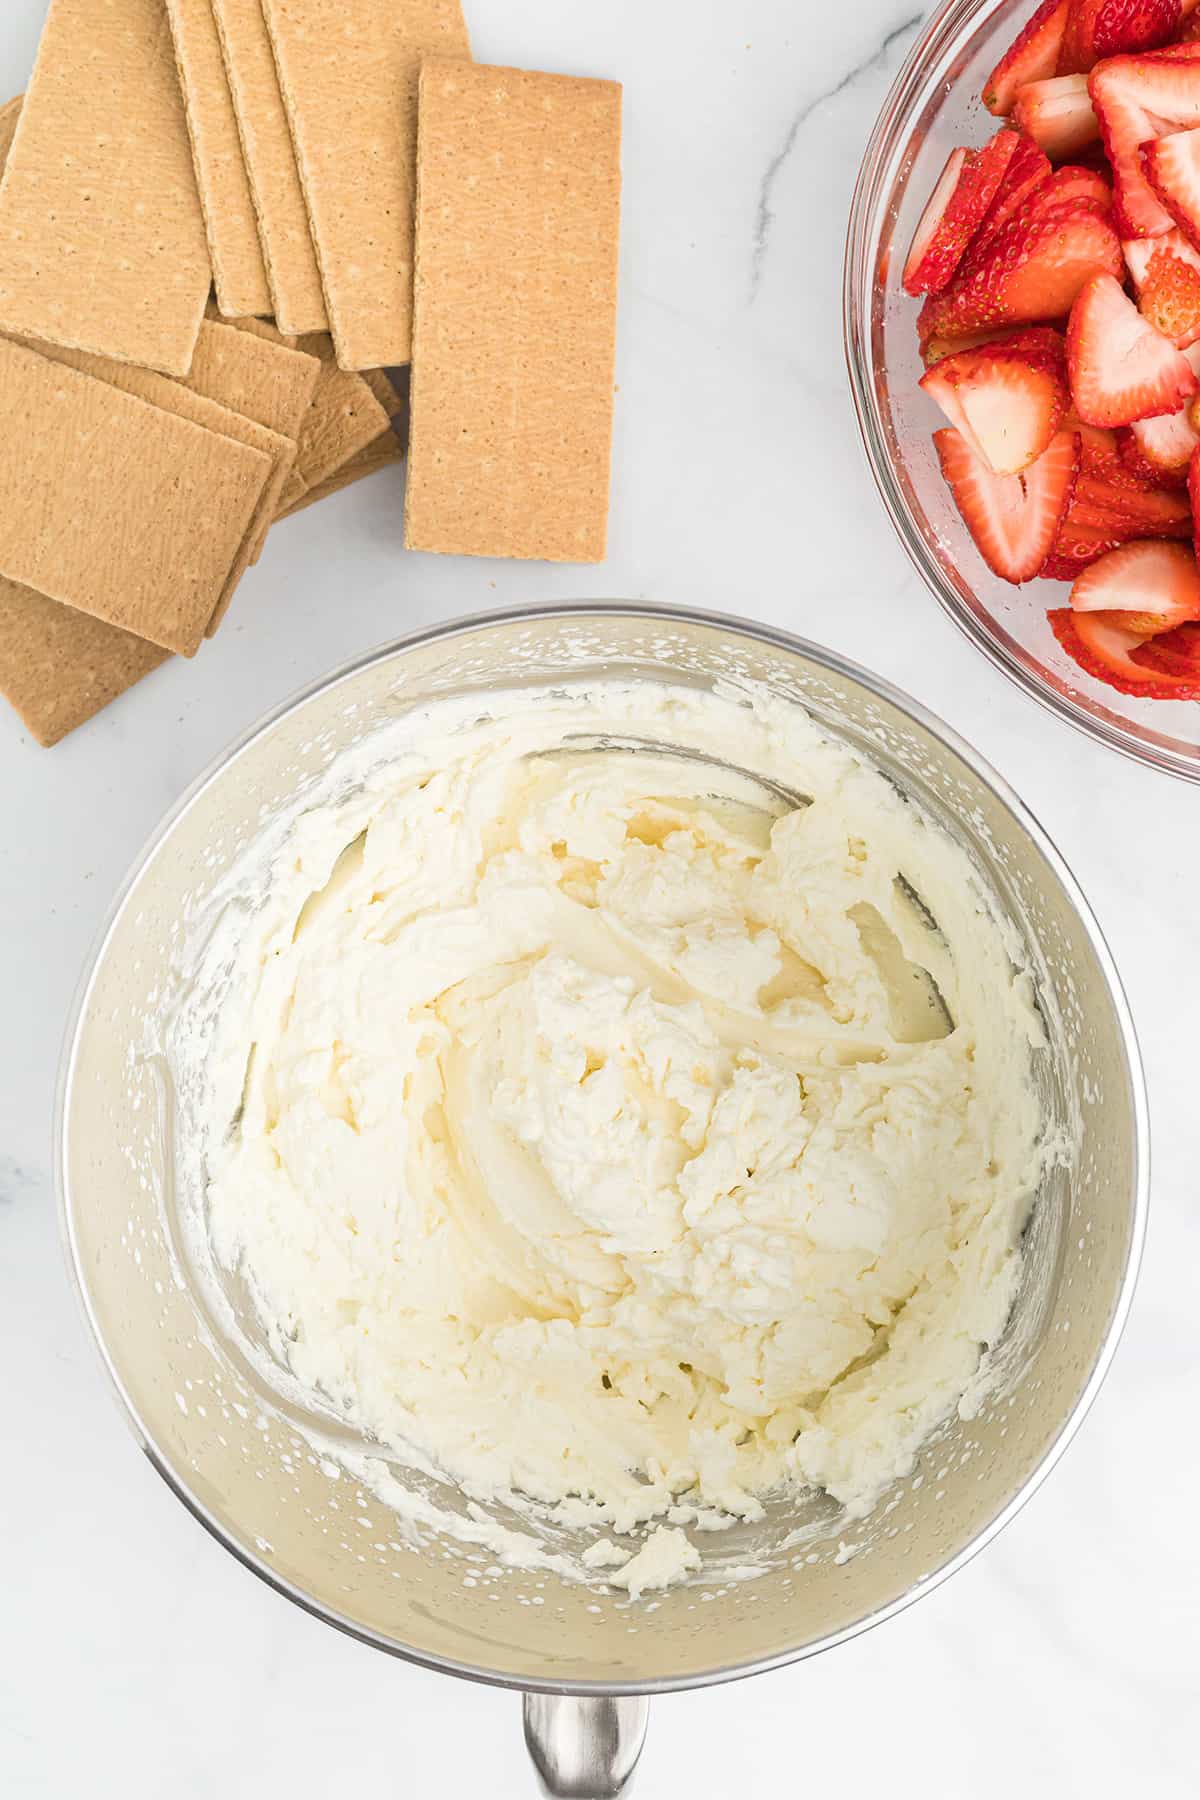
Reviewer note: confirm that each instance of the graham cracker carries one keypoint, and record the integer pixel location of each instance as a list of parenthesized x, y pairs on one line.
[(384, 390), (239, 273), (58, 667), (518, 212), (185, 403), (385, 450), (255, 376), (343, 418), (346, 414), (10, 112), (253, 370), (269, 332), (116, 506), (348, 72), (283, 228), (102, 242)]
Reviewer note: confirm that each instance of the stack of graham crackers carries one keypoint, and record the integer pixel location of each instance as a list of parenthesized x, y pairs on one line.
[(221, 221)]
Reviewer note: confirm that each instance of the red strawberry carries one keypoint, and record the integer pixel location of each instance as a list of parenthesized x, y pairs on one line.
[(1138, 98), (1006, 398), (1031, 270), (1039, 342), (1160, 450), (1012, 518), (1193, 489), (1126, 509), (1140, 252), (1105, 651), (959, 203), (1169, 295), (939, 347), (1099, 28), (1074, 548), (1121, 369), (1033, 56), (1069, 186), (1172, 167), (1100, 456), (1174, 652), (1152, 586), (1057, 114), (1027, 169)]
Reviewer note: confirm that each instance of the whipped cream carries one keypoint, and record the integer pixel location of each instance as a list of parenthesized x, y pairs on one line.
[(613, 1132)]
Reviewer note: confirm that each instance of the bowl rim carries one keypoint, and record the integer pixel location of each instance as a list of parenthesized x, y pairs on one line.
[(887, 148), (466, 625)]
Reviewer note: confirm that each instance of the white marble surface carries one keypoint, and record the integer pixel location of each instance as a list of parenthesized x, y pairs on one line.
[(136, 1658)]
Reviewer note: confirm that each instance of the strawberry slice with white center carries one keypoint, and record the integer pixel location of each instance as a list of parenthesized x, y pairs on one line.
[(1160, 450), (1057, 114), (1143, 587), (1105, 651), (957, 207), (1013, 519), (1007, 399), (1169, 293), (1031, 270), (1033, 56), (1140, 252), (1137, 98), (1120, 368), (1172, 167)]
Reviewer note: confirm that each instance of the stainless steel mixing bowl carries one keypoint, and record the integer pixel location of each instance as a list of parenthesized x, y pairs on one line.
[(213, 1427)]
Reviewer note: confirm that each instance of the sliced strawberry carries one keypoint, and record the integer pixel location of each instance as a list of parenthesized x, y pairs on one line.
[(1032, 270), (1033, 56), (1172, 167), (1145, 586), (1012, 518), (1074, 548), (1169, 295), (1193, 489), (1128, 509), (1099, 28), (1100, 456), (1005, 400), (1140, 252), (1174, 652), (1138, 98), (1068, 187), (1105, 651), (1057, 114), (939, 347), (1034, 342), (1160, 450), (1121, 369), (1027, 169), (959, 203)]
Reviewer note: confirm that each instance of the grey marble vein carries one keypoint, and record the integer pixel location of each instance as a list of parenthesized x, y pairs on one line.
[(765, 216)]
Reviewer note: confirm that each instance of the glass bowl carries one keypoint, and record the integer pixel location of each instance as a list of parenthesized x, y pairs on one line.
[(934, 104)]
